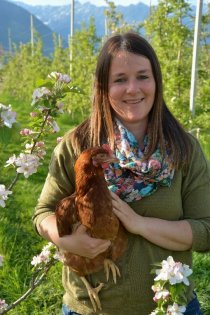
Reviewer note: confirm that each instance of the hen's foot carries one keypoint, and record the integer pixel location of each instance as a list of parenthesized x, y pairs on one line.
[(93, 294), (110, 265)]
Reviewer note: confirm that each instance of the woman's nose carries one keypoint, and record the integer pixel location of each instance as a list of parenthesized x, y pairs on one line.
[(133, 86)]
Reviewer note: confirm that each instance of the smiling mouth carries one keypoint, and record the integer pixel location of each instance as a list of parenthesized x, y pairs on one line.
[(134, 101)]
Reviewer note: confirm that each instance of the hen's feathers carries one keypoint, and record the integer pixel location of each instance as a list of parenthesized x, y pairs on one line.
[(91, 205), (66, 215)]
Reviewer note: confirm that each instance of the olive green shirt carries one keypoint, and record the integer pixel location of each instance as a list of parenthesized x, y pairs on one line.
[(188, 198)]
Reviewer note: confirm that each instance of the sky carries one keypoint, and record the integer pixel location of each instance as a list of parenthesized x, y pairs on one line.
[(96, 2)]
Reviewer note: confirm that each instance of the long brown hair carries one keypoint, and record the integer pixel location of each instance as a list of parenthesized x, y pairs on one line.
[(165, 131)]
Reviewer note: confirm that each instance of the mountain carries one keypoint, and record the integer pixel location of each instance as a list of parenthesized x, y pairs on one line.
[(15, 27), (58, 17), (49, 19)]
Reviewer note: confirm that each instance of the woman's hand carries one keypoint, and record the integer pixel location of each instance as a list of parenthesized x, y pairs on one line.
[(129, 218), (79, 242), (82, 244), (172, 235)]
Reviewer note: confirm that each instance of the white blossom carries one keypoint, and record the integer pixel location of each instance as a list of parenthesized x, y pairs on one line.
[(27, 164), (64, 78), (60, 107), (40, 93), (59, 139), (161, 295), (160, 292), (174, 272), (28, 147), (58, 256), (54, 75), (48, 246), (7, 115), (11, 160), (4, 195), (3, 305), (175, 309), (59, 77), (44, 256), (53, 124)]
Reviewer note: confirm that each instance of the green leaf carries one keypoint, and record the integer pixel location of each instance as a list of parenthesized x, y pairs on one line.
[(44, 83)]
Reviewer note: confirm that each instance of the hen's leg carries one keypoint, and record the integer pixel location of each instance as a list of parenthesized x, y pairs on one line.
[(93, 293), (110, 265)]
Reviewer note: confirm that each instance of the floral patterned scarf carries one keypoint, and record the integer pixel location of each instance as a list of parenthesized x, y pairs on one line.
[(133, 179)]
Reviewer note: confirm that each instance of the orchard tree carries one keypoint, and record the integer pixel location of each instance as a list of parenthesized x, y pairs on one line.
[(60, 57), (24, 69), (167, 29), (115, 20), (85, 46)]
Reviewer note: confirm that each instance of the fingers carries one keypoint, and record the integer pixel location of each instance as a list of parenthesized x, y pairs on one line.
[(100, 247), (115, 199), (91, 246), (114, 196), (96, 247)]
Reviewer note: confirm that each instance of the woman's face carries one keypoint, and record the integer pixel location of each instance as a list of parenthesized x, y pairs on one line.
[(131, 88)]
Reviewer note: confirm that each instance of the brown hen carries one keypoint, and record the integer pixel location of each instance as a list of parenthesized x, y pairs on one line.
[(91, 205)]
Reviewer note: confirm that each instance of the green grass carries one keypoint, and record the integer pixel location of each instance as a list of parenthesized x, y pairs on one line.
[(19, 242)]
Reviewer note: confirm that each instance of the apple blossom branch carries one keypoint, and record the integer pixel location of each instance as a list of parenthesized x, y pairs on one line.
[(47, 105), (170, 285), (42, 263)]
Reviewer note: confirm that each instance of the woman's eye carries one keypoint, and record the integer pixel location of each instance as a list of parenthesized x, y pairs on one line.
[(119, 80), (142, 77)]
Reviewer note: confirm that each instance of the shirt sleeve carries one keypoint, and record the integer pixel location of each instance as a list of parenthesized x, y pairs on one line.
[(59, 183), (196, 198)]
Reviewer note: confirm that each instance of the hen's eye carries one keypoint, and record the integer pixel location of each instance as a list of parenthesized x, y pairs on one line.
[(100, 155)]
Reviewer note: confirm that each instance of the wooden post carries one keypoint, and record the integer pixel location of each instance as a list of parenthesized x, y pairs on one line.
[(32, 35), (195, 55), (9, 41), (71, 35)]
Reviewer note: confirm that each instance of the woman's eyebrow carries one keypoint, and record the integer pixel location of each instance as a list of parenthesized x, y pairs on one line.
[(138, 72), (143, 71)]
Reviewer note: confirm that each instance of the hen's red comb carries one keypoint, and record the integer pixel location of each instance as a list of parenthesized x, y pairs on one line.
[(108, 149)]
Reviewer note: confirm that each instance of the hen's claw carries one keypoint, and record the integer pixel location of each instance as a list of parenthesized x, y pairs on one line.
[(93, 293), (110, 265)]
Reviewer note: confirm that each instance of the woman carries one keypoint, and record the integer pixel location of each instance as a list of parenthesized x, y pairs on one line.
[(161, 191)]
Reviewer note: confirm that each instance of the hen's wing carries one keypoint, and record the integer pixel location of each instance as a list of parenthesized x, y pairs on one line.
[(66, 215), (95, 212)]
